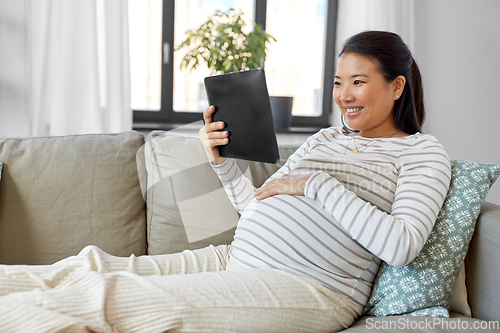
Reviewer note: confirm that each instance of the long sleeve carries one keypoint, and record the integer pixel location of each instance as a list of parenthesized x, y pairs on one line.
[(239, 188), (395, 236)]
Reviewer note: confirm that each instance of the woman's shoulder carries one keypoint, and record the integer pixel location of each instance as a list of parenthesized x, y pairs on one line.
[(425, 148), (420, 140)]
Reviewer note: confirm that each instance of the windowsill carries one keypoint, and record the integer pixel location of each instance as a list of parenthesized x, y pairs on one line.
[(197, 125), (157, 126), (293, 136)]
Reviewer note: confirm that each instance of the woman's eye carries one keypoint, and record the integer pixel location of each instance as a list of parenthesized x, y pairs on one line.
[(336, 83), (358, 82)]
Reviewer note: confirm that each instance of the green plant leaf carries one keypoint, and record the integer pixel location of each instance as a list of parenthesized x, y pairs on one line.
[(221, 43)]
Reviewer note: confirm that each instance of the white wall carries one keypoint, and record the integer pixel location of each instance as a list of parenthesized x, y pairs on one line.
[(457, 47)]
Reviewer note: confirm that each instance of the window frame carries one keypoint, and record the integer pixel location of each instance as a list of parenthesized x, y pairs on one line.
[(167, 117)]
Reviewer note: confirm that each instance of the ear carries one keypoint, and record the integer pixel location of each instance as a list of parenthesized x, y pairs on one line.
[(398, 86)]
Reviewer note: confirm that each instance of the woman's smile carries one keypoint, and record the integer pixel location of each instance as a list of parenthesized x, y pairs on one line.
[(353, 111)]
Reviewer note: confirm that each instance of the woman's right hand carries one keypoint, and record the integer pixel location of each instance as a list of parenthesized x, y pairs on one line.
[(211, 136)]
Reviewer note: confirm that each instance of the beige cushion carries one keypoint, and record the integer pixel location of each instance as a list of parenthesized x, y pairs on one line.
[(59, 194), (187, 207)]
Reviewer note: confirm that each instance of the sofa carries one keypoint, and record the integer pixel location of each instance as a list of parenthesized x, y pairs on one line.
[(130, 193)]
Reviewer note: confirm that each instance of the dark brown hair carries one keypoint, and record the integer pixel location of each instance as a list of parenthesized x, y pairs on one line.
[(394, 58)]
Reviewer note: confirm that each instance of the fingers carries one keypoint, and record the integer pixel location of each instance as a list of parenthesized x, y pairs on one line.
[(209, 125), (218, 138), (215, 126), (293, 183), (207, 115), (217, 135), (211, 136), (272, 188), (211, 130)]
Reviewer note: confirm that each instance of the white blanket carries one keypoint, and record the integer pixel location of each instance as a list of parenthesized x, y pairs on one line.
[(91, 292), (96, 292)]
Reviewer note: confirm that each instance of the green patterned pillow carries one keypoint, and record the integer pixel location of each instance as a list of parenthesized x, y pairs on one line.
[(423, 287)]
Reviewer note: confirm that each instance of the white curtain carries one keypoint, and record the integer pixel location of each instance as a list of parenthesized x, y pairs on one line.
[(390, 15), (79, 75)]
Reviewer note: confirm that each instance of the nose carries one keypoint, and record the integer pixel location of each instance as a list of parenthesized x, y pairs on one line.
[(345, 95)]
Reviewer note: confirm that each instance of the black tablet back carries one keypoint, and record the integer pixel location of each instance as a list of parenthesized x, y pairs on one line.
[(242, 102)]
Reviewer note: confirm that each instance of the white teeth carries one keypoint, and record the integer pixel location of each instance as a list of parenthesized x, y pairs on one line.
[(353, 110)]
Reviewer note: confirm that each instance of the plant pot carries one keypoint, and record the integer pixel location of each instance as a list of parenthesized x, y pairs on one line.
[(281, 107)]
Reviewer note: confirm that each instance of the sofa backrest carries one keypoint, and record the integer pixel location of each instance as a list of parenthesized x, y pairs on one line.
[(59, 194), (482, 265)]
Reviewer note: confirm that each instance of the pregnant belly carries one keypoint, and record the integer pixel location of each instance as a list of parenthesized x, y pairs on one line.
[(295, 233)]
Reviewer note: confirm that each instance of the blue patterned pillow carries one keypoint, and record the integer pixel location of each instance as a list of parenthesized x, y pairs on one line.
[(423, 287), (1, 166)]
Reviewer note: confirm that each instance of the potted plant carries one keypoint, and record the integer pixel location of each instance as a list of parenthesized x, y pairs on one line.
[(223, 46)]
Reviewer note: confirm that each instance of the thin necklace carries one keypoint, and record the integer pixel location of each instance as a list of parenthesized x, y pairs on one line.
[(366, 145)]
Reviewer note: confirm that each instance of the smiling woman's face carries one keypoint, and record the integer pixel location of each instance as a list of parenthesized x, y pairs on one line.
[(364, 97)]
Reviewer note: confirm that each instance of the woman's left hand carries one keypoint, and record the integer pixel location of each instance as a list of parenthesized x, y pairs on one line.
[(293, 183)]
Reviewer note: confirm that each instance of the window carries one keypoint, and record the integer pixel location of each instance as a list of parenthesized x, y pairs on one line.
[(299, 64)]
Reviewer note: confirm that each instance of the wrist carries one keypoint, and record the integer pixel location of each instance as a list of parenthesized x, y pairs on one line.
[(218, 161)]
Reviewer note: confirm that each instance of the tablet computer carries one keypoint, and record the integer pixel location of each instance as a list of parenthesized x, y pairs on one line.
[(241, 101)]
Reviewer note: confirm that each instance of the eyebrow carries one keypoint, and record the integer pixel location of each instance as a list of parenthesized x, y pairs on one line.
[(352, 76)]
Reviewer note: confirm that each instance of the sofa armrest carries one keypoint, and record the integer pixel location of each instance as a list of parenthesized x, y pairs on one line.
[(483, 265)]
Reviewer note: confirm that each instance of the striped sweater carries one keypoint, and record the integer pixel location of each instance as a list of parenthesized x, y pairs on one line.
[(357, 209)]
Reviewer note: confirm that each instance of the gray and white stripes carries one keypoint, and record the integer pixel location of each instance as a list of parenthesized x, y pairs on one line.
[(358, 209)]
